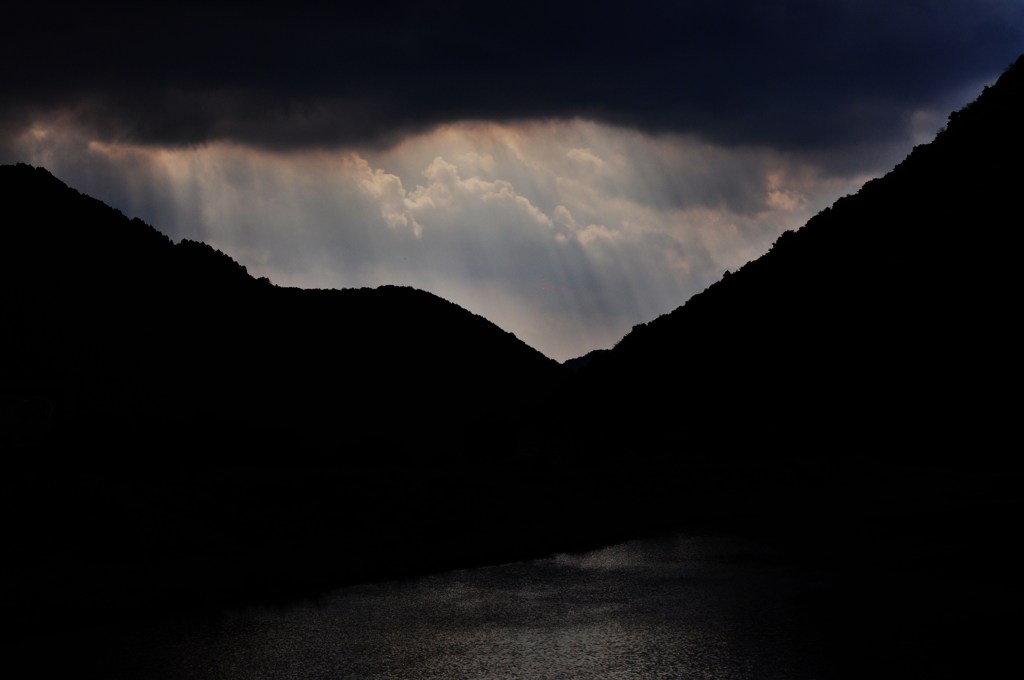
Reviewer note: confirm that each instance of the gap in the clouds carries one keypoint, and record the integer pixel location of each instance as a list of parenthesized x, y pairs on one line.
[(566, 233)]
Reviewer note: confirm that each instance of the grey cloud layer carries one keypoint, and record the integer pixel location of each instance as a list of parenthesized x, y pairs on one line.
[(797, 74)]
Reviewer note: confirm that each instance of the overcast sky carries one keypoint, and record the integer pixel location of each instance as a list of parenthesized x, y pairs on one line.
[(565, 169)]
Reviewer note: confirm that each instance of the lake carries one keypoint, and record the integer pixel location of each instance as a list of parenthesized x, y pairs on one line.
[(674, 607)]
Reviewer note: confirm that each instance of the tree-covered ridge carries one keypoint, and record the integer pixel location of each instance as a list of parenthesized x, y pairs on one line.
[(118, 328), (177, 432), (899, 294)]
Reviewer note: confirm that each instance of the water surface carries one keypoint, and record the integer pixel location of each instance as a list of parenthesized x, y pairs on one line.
[(677, 607)]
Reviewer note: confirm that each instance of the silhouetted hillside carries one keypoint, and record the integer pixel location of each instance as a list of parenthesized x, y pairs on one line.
[(884, 324), (115, 328), (577, 364), (175, 430)]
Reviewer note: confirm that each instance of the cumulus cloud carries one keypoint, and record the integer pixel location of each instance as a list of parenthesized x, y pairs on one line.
[(387, 191)]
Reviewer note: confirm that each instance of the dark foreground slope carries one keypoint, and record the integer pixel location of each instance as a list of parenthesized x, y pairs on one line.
[(855, 382), (852, 394), (175, 430)]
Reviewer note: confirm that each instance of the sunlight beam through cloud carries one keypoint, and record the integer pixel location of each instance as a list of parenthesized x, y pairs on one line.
[(566, 233)]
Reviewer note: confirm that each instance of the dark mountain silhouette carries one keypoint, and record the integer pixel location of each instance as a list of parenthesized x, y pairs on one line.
[(852, 392), (176, 430), (577, 364), (180, 432), (112, 328), (884, 324)]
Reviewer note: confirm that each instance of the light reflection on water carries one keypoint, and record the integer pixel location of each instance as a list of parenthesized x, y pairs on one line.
[(671, 608)]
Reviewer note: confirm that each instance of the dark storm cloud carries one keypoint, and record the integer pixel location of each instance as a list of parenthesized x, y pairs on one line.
[(797, 74)]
